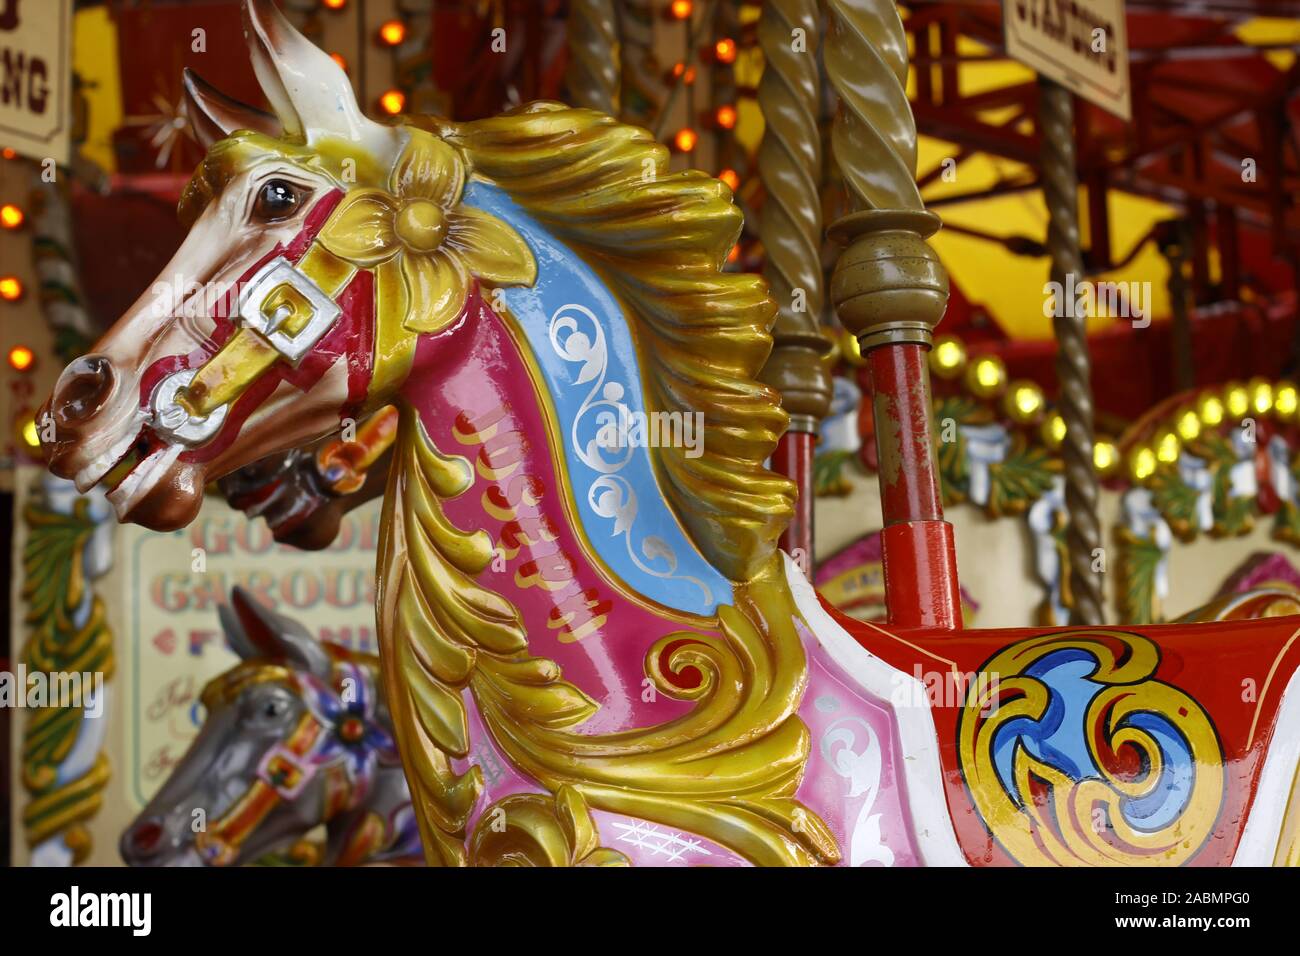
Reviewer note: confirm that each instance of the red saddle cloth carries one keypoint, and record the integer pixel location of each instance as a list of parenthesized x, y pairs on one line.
[(1111, 745)]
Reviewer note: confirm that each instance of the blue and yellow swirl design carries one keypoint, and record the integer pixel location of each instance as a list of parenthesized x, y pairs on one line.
[(1075, 755)]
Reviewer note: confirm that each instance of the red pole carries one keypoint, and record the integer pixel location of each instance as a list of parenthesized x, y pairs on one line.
[(793, 458), (890, 290), (920, 556)]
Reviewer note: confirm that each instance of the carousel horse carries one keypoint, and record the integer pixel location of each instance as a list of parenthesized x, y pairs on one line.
[(295, 736), (593, 650)]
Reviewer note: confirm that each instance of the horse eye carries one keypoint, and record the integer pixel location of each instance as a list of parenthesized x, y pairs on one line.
[(275, 200), (274, 708)]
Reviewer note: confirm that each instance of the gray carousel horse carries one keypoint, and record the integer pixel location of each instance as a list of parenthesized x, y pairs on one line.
[(297, 735)]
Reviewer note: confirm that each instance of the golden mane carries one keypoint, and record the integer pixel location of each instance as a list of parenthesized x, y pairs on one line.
[(659, 240)]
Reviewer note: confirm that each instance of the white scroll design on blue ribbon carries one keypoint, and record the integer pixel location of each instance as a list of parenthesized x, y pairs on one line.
[(610, 495)]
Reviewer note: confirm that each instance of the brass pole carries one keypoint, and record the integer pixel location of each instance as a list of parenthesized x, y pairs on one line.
[(595, 53), (643, 88), (790, 165), (890, 291), (1176, 246), (1061, 192)]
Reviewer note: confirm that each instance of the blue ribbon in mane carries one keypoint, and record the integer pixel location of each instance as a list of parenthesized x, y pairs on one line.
[(580, 339)]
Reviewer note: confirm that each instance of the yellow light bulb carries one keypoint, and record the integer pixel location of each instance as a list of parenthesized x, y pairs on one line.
[(947, 357), (1054, 431), (1105, 456), (1211, 410), (1188, 426), (1236, 400), (1024, 402), (1285, 399), (986, 377), (1261, 396), (1142, 463), (1167, 447)]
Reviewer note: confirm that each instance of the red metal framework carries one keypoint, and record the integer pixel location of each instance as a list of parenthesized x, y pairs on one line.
[(1204, 103)]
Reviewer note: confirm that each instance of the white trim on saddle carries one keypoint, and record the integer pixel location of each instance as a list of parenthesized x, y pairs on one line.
[(933, 833), (1259, 839)]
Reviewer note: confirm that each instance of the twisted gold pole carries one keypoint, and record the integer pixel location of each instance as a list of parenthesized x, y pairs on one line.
[(890, 290), (594, 71), (642, 82), (1061, 191), (790, 165)]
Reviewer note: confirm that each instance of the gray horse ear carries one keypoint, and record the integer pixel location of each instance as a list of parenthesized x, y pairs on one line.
[(255, 631), (213, 115)]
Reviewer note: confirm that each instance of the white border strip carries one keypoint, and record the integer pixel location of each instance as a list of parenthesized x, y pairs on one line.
[(1263, 830), (936, 840)]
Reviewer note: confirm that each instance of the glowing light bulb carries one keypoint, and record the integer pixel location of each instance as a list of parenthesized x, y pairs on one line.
[(11, 217), (947, 357), (31, 437), (685, 140), (1054, 431), (1285, 399), (1188, 425), (1237, 400), (1211, 410), (11, 289), (680, 9), (1261, 396), (393, 102), (1142, 463), (725, 50), (393, 32), (731, 178), (986, 377), (1167, 447), (725, 116), (1024, 402), (21, 358), (1105, 457)]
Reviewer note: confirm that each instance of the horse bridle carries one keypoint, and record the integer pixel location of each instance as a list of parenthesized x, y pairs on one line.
[(283, 311), (287, 768)]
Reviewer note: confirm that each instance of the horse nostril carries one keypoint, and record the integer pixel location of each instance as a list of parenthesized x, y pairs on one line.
[(83, 388)]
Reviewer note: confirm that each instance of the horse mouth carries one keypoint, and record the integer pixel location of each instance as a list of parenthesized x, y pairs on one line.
[(139, 471), (145, 481)]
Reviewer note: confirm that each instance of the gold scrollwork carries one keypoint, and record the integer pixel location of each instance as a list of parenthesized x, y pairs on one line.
[(727, 770), (1147, 741), (532, 829)]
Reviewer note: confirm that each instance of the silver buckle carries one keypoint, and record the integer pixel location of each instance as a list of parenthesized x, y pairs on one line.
[(171, 419), (277, 328)]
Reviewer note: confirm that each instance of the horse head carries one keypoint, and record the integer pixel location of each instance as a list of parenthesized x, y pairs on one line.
[(261, 333), (295, 736), (329, 254)]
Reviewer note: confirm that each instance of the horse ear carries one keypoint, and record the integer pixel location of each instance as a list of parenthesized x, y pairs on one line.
[(255, 631), (308, 91), (214, 115)]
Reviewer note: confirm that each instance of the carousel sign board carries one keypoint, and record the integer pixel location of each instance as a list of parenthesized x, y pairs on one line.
[(36, 77), (1084, 47)]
